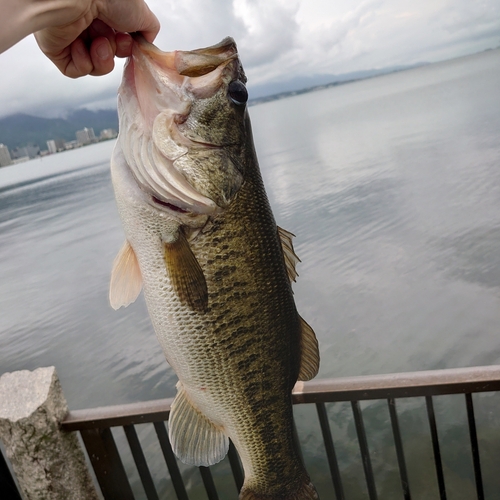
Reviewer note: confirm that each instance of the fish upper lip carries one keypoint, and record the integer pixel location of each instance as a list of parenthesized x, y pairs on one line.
[(194, 63)]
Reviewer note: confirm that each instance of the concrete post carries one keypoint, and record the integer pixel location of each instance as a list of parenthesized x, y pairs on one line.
[(49, 463)]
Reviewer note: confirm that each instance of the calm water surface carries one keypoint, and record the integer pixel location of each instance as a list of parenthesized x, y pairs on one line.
[(392, 186)]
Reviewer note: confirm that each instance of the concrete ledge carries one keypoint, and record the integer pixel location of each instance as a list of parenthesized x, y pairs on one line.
[(47, 461)]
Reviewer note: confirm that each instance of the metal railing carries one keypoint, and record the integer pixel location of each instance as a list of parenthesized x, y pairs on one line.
[(94, 426)]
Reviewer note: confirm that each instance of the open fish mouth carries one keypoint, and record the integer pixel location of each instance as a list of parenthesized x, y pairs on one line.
[(158, 128)]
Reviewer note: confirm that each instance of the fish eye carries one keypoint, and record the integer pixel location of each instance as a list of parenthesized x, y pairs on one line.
[(237, 92)]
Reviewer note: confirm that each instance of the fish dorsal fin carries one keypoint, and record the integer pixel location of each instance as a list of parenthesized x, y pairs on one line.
[(126, 279), (289, 254), (309, 361), (185, 272), (194, 438)]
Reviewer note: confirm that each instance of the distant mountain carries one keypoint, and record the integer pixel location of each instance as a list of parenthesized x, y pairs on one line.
[(21, 129)]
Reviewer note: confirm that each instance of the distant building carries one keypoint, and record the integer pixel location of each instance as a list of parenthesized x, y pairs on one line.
[(55, 145), (31, 151), (108, 133), (19, 152), (5, 158), (72, 145), (51, 146), (85, 136)]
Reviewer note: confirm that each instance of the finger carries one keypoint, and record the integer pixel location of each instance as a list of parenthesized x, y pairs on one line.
[(99, 29), (151, 26), (80, 63), (129, 17), (123, 45), (102, 55)]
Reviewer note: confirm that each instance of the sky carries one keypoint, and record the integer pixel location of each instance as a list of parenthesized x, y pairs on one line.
[(278, 41)]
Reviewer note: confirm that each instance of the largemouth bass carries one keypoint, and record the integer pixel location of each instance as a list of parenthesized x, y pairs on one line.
[(216, 270)]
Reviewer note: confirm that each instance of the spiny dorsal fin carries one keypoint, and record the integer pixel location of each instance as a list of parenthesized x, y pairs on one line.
[(187, 276), (309, 361), (126, 280), (194, 438), (290, 256)]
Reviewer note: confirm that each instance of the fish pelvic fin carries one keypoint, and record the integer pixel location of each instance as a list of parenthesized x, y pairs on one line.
[(307, 491), (185, 272), (195, 439), (291, 258), (126, 279), (309, 360)]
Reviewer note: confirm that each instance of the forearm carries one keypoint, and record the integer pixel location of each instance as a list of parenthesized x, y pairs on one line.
[(20, 18)]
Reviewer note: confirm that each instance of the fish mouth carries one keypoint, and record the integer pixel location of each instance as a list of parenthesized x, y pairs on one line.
[(179, 75), (192, 63), (155, 100)]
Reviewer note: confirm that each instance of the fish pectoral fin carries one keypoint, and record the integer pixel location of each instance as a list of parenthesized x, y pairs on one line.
[(195, 439), (185, 271), (309, 361), (126, 279), (289, 254)]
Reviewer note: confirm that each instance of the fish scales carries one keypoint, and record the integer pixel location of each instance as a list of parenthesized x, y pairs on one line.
[(237, 345)]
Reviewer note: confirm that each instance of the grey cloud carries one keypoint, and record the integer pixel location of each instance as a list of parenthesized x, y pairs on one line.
[(195, 23), (336, 31), (271, 32), (340, 37)]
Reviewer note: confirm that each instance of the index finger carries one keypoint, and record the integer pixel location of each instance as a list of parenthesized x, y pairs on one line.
[(151, 26)]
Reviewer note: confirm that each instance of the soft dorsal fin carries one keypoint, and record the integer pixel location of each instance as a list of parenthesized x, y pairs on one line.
[(187, 276), (289, 254), (126, 279), (194, 438), (309, 360)]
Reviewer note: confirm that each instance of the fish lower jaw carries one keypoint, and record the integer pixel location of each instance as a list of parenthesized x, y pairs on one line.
[(179, 210), (168, 205)]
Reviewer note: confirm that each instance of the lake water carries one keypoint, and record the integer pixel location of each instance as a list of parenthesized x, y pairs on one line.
[(392, 187)]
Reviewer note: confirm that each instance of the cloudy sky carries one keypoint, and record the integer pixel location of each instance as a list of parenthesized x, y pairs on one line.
[(278, 40)]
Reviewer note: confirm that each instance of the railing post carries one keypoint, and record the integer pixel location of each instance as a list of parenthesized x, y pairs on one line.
[(47, 462)]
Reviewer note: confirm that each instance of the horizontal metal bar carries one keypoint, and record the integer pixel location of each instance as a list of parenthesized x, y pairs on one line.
[(114, 416), (395, 385), (399, 385)]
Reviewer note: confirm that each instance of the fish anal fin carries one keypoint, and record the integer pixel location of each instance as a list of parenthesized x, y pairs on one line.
[(126, 279), (195, 439), (309, 361), (289, 254), (185, 272)]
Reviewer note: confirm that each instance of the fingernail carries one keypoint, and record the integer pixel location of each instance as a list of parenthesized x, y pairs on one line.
[(103, 51)]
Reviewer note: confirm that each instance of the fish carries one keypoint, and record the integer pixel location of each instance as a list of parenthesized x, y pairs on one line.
[(202, 243)]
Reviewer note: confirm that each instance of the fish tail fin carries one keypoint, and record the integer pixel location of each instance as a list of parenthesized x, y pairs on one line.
[(306, 491)]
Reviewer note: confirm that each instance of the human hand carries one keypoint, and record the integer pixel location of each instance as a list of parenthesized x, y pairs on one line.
[(82, 37)]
